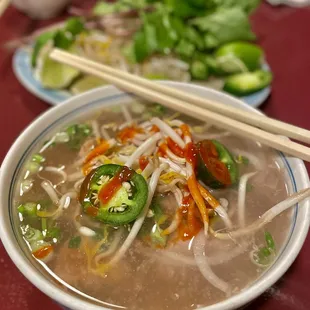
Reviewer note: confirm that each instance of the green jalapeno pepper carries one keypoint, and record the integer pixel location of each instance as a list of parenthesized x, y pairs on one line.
[(247, 83), (114, 194), (216, 166)]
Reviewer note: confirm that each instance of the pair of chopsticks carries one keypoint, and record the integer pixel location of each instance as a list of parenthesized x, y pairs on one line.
[(3, 5), (260, 128)]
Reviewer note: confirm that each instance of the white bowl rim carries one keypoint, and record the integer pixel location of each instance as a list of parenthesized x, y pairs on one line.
[(75, 303)]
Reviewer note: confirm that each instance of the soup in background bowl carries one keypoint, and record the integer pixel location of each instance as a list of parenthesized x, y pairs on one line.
[(110, 202)]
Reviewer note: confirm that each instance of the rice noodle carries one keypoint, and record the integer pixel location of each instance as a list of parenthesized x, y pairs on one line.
[(75, 176), (141, 136), (126, 124), (49, 189), (142, 149), (267, 217), (48, 144), (148, 170), (178, 195), (173, 166), (224, 216), (203, 265), (168, 131), (176, 123), (136, 142), (146, 124), (126, 113), (58, 171), (173, 225), (104, 133), (224, 203), (219, 258), (168, 187), (175, 158), (241, 197), (139, 221), (96, 131), (64, 203), (77, 184), (112, 248)]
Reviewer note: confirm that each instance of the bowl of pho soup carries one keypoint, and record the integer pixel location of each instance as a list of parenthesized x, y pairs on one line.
[(111, 202)]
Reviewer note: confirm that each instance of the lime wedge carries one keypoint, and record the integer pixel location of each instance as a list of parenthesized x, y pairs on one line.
[(52, 74), (86, 83)]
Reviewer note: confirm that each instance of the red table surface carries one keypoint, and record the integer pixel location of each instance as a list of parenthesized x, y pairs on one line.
[(284, 34)]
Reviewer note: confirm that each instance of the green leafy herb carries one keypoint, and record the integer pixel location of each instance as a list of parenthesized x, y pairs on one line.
[(63, 39), (247, 6), (242, 160), (185, 49), (264, 255), (44, 223), (224, 26), (28, 209), (53, 233), (77, 135), (33, 167), (199, 70), (38, 158), (185, 8), (31, 234), (75, 242), (193, 36), (40, 42), (74, 25), (104, 8), (157, 238), (269, 241), (158, 110)]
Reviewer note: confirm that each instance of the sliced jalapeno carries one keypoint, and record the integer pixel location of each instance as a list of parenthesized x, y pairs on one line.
[(114, 194), (216, 166)]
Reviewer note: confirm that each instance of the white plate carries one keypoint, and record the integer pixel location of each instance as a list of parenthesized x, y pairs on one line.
[(24, 73)]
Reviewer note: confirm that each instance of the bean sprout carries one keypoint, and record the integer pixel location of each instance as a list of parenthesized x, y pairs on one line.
[(49, 189), (139, 221), (241, 197), (168, 131), (267, 217)]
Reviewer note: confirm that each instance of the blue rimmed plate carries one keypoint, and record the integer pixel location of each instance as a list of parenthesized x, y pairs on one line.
[(24, 73)]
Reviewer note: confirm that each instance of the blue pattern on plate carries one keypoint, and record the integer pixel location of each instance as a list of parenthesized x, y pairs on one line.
[(24, 73)]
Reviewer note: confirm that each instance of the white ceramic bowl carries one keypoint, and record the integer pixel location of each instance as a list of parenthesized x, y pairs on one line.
[(57, 117)]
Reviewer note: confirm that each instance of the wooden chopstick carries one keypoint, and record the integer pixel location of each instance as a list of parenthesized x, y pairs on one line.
[(277, 142), (252, 119), (3, 5)]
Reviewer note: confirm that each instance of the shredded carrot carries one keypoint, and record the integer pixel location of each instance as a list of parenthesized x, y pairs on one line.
[(98, 150), (162, 149), (128, 133), (174, 147), (194, 223), (193, 188), (43, 252), (154, 128), (208, 197), (143, 162), (185, 130)]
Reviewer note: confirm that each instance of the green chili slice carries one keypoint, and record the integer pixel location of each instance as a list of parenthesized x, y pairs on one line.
[(216, 166), (114, 194)]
